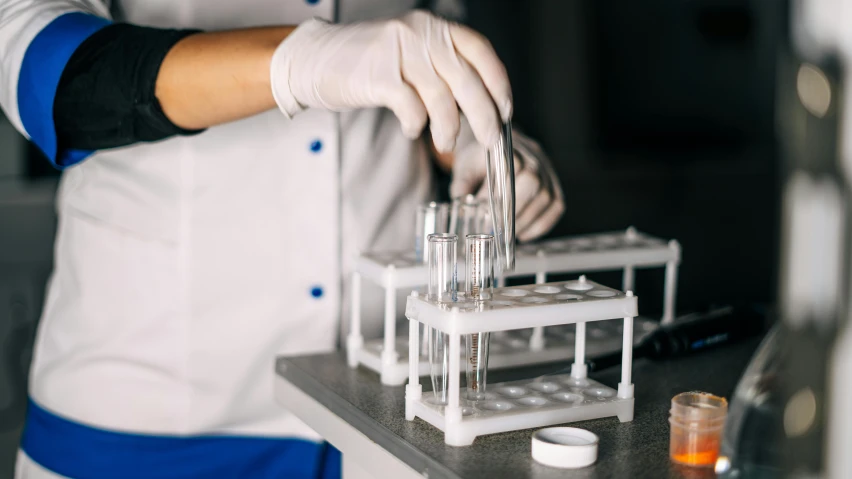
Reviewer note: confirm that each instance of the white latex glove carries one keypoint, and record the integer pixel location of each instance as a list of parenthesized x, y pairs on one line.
[(419, 66), (539, 202)]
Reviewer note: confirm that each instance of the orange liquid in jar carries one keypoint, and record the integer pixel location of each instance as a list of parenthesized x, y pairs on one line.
[(696, 422), (695, 449)]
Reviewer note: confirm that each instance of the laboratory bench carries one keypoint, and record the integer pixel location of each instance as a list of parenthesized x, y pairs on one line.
[(366, 420)]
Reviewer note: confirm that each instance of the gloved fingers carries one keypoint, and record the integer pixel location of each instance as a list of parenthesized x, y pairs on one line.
[(443, 115), (469, 91), (483, 194), (480, 54), (480, 175), (534, 220), (435, 94), (527, 187), (527, 193), (404, 102), (525, 218), (468, 164), (545, 222), (466, 185)]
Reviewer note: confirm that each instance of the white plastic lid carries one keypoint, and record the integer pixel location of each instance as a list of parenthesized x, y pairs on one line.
[(565, 447)]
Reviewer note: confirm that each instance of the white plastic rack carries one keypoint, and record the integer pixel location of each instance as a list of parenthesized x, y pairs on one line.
[(521, 404), (621, 250)]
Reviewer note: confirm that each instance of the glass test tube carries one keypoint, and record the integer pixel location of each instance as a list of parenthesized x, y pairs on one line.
[(478, 287), (432, 218), (500, 173), (443, 277), (443, 287), (439, 361), (466, 218), (479, 281)]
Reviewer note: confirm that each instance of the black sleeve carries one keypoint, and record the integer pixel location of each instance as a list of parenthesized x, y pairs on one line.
[(106, 97)]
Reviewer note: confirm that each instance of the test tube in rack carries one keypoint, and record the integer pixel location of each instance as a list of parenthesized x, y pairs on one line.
[(432, 218), (478, 287), (443, 288)]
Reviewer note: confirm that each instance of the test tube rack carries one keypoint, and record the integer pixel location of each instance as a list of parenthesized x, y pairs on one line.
[(519, 405), (624, 250)]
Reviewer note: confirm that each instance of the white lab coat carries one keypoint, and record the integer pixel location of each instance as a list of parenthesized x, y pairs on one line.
[(183, 267)]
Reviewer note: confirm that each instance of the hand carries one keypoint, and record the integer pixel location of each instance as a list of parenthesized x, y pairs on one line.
[(420, 66), (538, 196)]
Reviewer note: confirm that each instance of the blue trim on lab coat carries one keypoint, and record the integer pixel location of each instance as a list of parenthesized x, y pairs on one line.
[(41, 71), (84, 452)]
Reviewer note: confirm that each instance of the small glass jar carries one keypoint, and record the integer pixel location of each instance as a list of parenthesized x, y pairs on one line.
[(696, 420)]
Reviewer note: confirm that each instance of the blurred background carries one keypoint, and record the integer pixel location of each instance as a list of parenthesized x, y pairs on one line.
[(657, 114)]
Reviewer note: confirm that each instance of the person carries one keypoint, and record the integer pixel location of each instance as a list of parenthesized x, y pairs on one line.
[(223, 163)]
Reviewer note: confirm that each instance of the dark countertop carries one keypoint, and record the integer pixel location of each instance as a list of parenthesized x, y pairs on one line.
[(630, 450)]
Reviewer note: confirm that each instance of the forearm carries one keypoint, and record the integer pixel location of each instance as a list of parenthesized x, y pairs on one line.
[(211, 78), (127, 84)]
